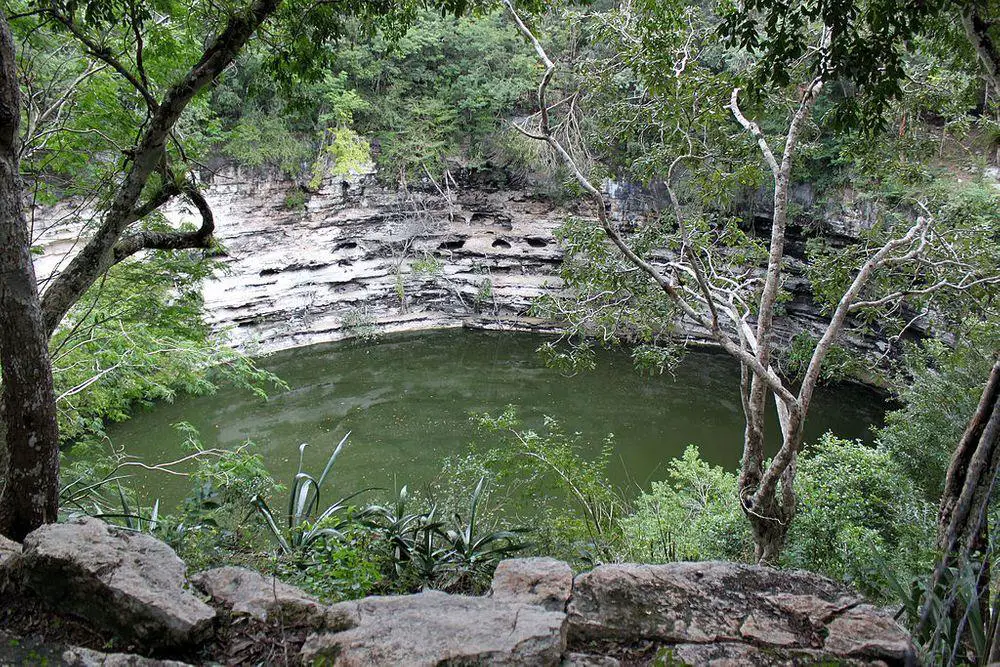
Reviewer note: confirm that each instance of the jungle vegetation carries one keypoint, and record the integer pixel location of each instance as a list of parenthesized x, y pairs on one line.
[(117, 108)]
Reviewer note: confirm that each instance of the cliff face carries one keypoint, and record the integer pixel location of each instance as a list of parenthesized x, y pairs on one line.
[(356, 257)]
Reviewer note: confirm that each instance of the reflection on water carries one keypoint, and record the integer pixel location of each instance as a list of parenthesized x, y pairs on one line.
[(407, 402)]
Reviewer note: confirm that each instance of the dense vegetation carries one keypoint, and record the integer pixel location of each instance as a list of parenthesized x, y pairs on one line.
[(701, 105)]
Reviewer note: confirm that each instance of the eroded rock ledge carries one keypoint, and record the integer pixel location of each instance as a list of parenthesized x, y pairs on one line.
[(354, 256), (710, 613)]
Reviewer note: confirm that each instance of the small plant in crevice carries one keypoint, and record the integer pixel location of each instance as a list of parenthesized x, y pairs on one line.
[(484, 294), (361, 324), (296, 200), (427, 266)]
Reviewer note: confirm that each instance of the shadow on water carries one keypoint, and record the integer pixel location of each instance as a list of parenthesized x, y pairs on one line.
[(407, 401)]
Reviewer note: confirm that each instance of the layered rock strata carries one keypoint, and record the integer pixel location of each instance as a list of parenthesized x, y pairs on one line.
[(355, 257)]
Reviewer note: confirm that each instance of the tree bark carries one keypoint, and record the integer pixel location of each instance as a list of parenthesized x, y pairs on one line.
[(970, 474), (977, 30), (27, 405)]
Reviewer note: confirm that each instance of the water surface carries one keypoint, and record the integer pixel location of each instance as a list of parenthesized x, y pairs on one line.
[(407, 401)]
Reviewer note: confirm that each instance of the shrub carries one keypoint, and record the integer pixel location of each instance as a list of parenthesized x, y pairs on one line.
[(550, 482), (692, 515), (859, 516), (940, 390)]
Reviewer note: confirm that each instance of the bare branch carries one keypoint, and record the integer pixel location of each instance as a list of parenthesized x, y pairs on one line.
[(754, 129), (767, 374)]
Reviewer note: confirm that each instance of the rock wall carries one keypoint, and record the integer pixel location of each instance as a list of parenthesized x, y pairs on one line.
[(358, 255), (355, 256)]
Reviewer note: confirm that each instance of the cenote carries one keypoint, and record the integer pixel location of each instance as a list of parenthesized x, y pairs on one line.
[(407, 401)]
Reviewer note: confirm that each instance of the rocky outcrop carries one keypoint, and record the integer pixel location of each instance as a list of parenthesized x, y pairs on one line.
[(434, 628), (737, 610), (113, 578), (84, 657), (709, 613), (8, 549), (243, 592), (358, 256), (545, 582)]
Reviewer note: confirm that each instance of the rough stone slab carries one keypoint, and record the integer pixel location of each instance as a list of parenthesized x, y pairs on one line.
[(85, 657), (723, 603), (121, 580), (867, 632), (433, 628), (589, 660), (248, 593), (734, 654), (545, 582)]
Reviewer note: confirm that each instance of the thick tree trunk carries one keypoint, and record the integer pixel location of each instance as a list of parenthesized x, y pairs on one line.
[(31, 490), (963, 518)]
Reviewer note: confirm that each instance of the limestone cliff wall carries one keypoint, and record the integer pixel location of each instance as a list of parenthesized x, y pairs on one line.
[(356, 256)]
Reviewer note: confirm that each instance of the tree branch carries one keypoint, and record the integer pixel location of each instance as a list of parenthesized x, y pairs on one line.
[(150, 240), (99, 253), (767, 375)]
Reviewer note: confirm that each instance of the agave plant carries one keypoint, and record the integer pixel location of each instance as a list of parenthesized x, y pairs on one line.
[(93, 499), (412, 535), (474, 555), (425, 552), (305, 522)]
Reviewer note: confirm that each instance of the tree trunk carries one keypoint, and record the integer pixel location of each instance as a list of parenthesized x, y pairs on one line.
[(970, 473), (31, 490)]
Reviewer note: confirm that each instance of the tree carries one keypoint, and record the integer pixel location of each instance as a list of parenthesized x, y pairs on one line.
[(143, 47), (28, 409), (715, 290)]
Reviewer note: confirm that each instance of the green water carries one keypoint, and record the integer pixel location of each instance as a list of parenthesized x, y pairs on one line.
[(407, 401)]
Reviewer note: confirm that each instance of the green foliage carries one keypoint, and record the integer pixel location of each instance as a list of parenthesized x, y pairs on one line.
[(840, 364), (548, 476), (137, 336), (692, 515), (211, 527), (867, 46), (939, 387), (259, 139), (360, 323), (606, 301), (438, 91), (965, 216), (484, 295), (954, 619), (296, 200), (308, 521), (428, 266), (348, 152), (456, 554), (858, 516), (343, 569)]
